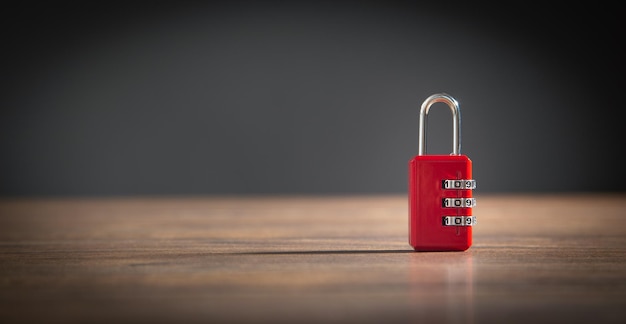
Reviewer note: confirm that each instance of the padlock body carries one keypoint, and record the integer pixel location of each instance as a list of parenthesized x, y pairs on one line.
[(427, 230)]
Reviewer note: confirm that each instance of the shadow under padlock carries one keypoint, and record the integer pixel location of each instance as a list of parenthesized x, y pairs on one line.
[(440, 190), (441, 288)]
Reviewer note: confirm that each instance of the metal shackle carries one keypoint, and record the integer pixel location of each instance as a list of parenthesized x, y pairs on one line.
[(456, 121)]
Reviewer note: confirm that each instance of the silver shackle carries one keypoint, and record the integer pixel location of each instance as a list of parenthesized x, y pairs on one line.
[(456, 121)]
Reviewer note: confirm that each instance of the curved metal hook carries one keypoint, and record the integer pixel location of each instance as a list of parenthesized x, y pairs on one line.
[(456, 121)]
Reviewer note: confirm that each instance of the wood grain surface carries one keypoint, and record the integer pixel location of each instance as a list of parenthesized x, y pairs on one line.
[(338, 259)]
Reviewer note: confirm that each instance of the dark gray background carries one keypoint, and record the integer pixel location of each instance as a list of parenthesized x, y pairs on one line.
[(305, 97)]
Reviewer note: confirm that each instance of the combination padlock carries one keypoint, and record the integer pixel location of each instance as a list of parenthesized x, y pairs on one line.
[(440, 190)]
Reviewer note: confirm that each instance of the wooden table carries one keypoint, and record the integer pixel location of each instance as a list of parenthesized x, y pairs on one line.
[(535, 259)]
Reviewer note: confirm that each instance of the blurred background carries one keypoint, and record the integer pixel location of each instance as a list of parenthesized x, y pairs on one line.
[(297, 97)]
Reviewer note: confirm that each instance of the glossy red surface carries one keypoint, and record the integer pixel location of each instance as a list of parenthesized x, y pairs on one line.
[(426, 230)]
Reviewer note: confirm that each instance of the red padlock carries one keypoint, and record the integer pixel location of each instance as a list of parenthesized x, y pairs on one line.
[(440, 190)]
